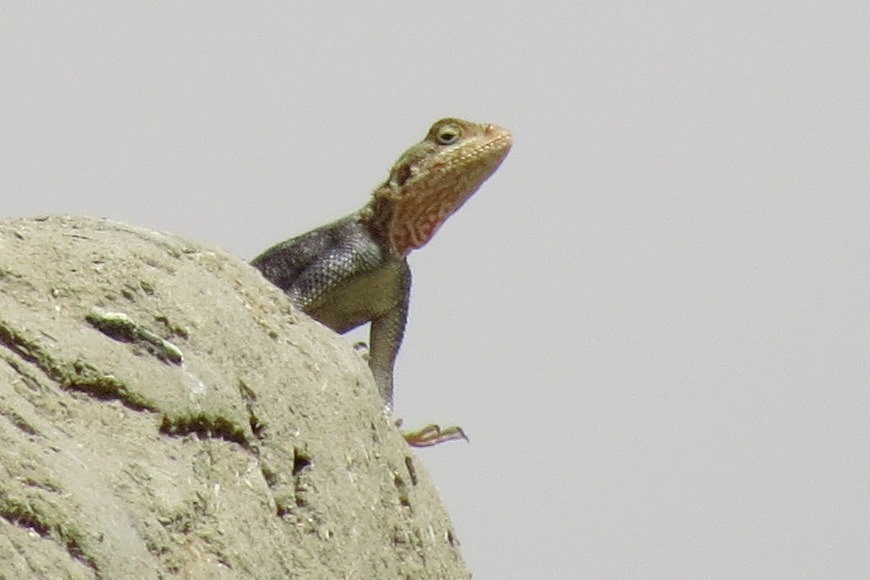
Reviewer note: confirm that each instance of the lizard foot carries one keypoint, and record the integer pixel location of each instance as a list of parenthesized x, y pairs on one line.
[(433, 434), (362, 349)]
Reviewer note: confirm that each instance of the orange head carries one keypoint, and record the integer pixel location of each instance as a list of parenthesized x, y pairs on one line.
[(432, 179)]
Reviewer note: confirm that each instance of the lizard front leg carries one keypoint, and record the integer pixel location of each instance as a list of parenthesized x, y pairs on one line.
[(385, 338)]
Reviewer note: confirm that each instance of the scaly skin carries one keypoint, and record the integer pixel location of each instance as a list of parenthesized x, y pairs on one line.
[(355, 270)]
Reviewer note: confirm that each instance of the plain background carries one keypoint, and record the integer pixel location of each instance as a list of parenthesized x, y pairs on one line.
[(653, 321)]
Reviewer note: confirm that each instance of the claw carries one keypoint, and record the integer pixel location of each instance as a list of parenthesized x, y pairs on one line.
[(362, 349), (433, 434)]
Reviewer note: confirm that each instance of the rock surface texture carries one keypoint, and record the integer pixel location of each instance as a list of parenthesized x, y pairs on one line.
[(165, 412)]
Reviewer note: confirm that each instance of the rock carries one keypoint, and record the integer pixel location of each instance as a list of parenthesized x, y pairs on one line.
[(165, 411)]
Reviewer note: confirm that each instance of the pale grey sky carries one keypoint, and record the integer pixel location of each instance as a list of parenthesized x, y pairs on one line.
[(653, 321)]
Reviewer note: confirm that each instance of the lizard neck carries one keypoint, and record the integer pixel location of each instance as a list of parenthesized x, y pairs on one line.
[(377, 216), (432, 180)]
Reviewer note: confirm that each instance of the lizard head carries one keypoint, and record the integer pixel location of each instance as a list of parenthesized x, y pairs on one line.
[(432, 179)]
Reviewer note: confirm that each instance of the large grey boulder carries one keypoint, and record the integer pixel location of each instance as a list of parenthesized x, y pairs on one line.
[(166, 412)]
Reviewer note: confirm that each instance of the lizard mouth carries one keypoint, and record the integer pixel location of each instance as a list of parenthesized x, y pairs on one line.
[(487, 155)]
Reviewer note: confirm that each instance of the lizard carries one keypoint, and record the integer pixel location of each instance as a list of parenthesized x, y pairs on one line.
[(355, 270)]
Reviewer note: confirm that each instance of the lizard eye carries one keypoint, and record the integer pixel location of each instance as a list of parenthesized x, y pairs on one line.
[(448, 135)]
